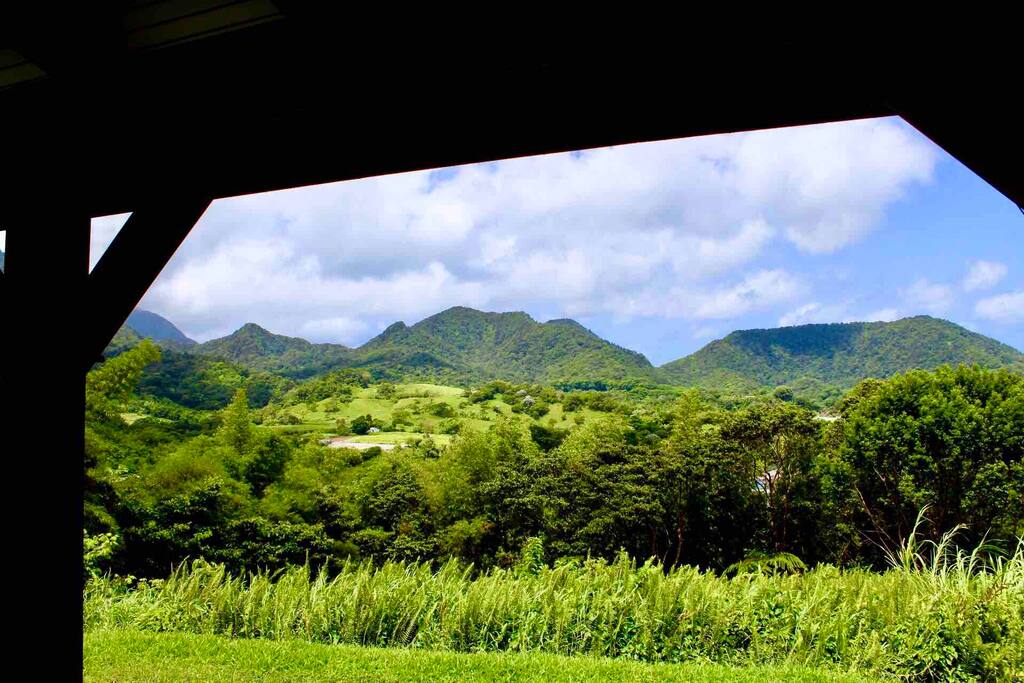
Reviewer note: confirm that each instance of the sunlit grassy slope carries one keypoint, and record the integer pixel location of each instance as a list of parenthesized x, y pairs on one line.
[(417, 401)]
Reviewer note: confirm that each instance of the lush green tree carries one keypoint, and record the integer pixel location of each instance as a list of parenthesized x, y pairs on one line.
[(952, 439), (266, 464), (547, 437), (778, 442), (111, 383), (109, 440), (713, 509), (602, 491), (257, 543), (180, 508), (236, 427), (441, 409), (395, 503), (401, 417), (783, 393), (386, 391)]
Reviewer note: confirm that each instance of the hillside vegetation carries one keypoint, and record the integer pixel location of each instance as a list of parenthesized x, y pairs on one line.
[(836, 354), (257, 349), (465, 347), (510, 346), (429, 471), (458, 345)]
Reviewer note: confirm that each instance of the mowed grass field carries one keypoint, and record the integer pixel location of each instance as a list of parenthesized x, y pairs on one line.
[(125, 655)]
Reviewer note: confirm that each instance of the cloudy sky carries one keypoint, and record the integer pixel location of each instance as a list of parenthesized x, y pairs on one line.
[(660, 247)]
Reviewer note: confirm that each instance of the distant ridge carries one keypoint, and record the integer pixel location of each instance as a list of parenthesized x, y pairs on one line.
[(157, 328), (258, 349), (837, 353)]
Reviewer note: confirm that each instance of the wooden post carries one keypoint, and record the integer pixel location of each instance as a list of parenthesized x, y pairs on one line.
[(57, 319), (46, 269)]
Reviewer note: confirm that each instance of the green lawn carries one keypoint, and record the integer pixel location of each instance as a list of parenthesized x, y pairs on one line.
[(427, 390), (158, 657)]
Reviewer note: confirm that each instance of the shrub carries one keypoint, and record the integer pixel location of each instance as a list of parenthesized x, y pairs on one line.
[(441, 410)]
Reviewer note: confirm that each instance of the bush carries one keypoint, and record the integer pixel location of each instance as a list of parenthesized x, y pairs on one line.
[(547, 437), (364, 423), (449, 427), (441, 410)]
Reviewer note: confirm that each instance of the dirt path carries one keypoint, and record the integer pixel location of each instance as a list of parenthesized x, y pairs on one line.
[(346, 442)]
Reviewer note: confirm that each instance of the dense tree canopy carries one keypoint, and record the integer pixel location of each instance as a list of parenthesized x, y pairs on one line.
[(679, 476), (952, 439)]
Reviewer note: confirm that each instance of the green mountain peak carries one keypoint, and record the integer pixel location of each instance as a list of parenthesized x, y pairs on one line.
[(838, 354)]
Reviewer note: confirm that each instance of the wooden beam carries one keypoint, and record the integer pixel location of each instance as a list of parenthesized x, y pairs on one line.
[(131, 263)]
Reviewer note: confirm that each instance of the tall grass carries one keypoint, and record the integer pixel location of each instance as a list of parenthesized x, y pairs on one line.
[(960, 617)]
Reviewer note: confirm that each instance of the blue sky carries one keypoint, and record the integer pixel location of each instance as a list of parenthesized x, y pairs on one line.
[(659, 247)]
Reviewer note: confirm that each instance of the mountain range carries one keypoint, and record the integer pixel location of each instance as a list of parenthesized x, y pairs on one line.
[(463, 345)]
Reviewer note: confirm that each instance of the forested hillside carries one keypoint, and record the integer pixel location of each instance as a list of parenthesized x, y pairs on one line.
[(839, 354), (258, 349), (484, 346), (459, 345)]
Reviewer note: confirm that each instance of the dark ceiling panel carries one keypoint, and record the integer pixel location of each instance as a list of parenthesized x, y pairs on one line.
[(176, 21), (322, 96)]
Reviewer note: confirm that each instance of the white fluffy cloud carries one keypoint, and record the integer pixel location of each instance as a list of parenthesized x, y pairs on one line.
[(669, 229), (340, 328), (930, 297), (806, 177), (815, 312), (755, 292), (1002, 308), (984, 275), (884, 315)]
